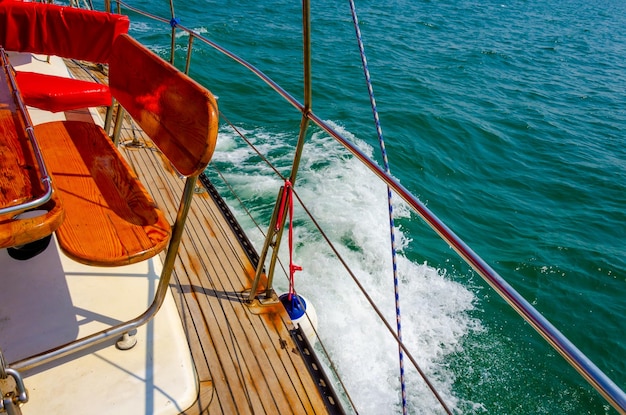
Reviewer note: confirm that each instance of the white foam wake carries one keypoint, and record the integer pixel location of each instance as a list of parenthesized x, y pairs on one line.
[(351, 206)]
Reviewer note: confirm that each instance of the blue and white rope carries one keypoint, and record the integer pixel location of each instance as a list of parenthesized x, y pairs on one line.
[(381, 141)]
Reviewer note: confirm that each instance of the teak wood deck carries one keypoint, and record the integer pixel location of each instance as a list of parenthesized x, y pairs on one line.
[(245, 358)]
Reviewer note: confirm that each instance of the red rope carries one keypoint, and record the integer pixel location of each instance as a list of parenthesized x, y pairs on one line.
[(287, 203), (283, 203)]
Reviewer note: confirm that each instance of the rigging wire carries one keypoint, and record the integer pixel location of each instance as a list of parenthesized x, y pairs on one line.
[(383, 151)]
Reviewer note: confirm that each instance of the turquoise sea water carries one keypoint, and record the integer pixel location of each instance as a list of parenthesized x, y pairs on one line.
[(506, 118)]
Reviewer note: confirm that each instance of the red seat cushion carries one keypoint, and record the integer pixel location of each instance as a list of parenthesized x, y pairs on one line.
[(54, 93)]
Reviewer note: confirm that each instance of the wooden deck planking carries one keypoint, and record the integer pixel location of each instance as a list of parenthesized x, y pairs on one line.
[(210, 278), (271, 355), (227, 356), (244, 329), (191, 307), (185, 272), (239, 331)]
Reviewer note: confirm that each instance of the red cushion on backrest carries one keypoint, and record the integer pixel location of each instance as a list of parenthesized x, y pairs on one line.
[(67, 32)]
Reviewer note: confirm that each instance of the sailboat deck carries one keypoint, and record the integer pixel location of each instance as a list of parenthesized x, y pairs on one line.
[(244, 355), (245, 359)]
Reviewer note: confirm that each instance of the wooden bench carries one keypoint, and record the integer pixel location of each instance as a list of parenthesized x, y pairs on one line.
[(109, 217), (67, 32), (106, 208)]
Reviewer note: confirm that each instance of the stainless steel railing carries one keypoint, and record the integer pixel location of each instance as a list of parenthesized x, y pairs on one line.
[(583, 365), (45, 179)]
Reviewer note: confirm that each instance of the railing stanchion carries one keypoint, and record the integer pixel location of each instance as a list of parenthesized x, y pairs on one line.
[(188, 60)]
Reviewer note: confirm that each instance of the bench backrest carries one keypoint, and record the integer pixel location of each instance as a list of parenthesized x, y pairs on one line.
[(59, 30), (178, 114)]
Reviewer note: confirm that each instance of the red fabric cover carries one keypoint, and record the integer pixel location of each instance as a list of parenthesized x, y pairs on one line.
[(67, 32), (55, 93)]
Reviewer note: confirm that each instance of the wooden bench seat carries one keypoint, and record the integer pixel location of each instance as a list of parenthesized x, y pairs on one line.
[(109, 217)]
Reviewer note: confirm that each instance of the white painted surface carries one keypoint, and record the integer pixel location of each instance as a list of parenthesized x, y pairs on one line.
[(49, 300)]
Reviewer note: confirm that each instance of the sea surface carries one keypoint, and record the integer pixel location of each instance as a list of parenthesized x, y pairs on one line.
[(506, 118)]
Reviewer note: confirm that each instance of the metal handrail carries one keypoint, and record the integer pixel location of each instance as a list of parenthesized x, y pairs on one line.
[(45, 177), (129, 326), (574, 357), (585, 367)]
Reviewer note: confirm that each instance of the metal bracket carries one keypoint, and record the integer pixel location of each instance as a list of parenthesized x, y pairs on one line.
[(17, 396), (261, 303)]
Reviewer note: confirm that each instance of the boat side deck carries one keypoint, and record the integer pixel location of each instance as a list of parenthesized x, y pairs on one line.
[(244, 357)]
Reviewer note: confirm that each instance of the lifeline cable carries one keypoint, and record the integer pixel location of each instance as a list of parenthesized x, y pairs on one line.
[(381, 141)]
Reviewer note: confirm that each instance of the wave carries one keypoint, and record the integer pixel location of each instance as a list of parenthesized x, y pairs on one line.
[(351, 206)]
